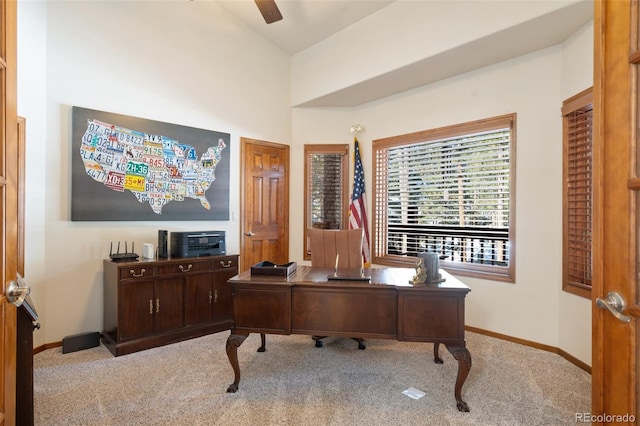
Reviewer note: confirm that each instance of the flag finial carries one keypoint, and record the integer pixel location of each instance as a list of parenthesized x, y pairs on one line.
[(356, 129)]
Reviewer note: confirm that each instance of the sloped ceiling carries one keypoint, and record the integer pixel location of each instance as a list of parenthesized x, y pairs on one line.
[(307, 23)]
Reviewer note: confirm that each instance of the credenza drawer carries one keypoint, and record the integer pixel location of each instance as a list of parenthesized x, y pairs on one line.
[(135, 272), (226, 262), (186, 265)]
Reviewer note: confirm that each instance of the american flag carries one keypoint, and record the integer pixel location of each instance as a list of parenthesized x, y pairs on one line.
[(358, 206)]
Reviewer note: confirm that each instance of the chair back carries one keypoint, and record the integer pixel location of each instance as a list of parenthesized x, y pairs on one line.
[(326, 244)]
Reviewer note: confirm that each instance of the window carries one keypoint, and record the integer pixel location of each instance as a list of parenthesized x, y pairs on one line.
[(577, 124), (451, 191), (326, 191)]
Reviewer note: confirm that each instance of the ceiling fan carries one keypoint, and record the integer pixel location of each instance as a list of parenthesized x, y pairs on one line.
[(269, 10)]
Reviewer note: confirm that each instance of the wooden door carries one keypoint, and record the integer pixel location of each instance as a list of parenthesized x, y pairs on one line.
[(264, 201), (616, 211), (8, 207)]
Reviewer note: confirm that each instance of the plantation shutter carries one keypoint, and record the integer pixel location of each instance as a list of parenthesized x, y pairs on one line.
[(447, 191), (327, 178), (578, 167)]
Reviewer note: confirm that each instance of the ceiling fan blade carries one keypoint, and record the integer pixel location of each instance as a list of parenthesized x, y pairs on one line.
[(269, 10)]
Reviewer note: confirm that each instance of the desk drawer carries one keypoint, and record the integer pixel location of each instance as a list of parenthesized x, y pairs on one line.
[(357, 312), (430, 318), (266, 309)]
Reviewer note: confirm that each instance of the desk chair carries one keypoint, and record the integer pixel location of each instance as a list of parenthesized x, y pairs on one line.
[(325, 245)]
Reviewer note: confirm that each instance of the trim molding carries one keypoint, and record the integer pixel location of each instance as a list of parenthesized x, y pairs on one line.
[(46, 346), (573, 360)]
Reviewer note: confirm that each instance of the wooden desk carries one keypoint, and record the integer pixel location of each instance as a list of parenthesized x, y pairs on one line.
[(388, 307)]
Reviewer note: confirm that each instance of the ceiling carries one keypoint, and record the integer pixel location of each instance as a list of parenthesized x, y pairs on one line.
[(305, 22)]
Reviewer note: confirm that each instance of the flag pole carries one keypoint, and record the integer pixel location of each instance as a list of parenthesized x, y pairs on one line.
[(358, 205)]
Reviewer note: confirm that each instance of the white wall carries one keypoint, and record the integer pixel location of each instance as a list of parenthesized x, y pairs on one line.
[(534, 308), (163, 63), (32, 101), (530, 87), (574, 311)]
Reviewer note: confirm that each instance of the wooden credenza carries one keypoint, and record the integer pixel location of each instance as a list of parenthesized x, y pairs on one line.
[(158, 302)]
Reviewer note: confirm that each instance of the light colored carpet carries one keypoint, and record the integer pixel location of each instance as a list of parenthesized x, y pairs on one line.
[(295, 383)]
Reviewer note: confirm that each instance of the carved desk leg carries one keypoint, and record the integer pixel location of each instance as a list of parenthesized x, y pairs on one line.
[(233, 343), (263, 343), (436, 356), (464, 365)]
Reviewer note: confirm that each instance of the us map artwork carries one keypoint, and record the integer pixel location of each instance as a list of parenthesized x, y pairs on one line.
[(156, 169)]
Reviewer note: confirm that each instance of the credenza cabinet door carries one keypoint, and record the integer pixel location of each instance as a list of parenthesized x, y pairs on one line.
[(168, 304), (150, 306), (136, 309), (225, 268), (199, 298)]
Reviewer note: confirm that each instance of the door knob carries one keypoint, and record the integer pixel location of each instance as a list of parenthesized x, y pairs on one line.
[(615, 304), (17, 291), (249, 234)]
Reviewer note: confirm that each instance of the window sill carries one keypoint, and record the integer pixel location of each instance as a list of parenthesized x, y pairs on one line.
[(485, 272)]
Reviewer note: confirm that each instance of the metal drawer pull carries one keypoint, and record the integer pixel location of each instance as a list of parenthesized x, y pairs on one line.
[(185, 270), (157, 305), (210, 297), (151, 306), (226, 265), (215, 298), (133, 273)]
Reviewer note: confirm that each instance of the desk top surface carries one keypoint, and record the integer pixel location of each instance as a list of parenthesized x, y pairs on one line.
[(380, 277)]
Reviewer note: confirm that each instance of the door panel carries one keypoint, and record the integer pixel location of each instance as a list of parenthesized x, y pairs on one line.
[(198, 298), (137, 309), (169, 304), (616, 196), (265, 203), (222, 304)]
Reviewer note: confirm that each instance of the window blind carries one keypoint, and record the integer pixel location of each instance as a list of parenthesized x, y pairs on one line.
[(454, 183), (327, 177), (578, 196), (448, 191)]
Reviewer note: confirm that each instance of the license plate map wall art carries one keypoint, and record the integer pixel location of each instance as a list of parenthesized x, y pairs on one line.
[(127, 168), (156, 169)]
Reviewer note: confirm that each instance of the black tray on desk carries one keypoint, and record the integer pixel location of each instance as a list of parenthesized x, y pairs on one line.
[(270, 268), (335, 277)]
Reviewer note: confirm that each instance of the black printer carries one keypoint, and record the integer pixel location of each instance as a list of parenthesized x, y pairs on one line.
[(197, 244)]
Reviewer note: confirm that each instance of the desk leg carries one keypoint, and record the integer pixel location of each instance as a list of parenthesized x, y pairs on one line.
[(263, 342), (464, 365), (436, 356), (233, 343)]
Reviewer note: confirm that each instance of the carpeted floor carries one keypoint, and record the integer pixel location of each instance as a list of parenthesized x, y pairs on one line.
[(295, 383)]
